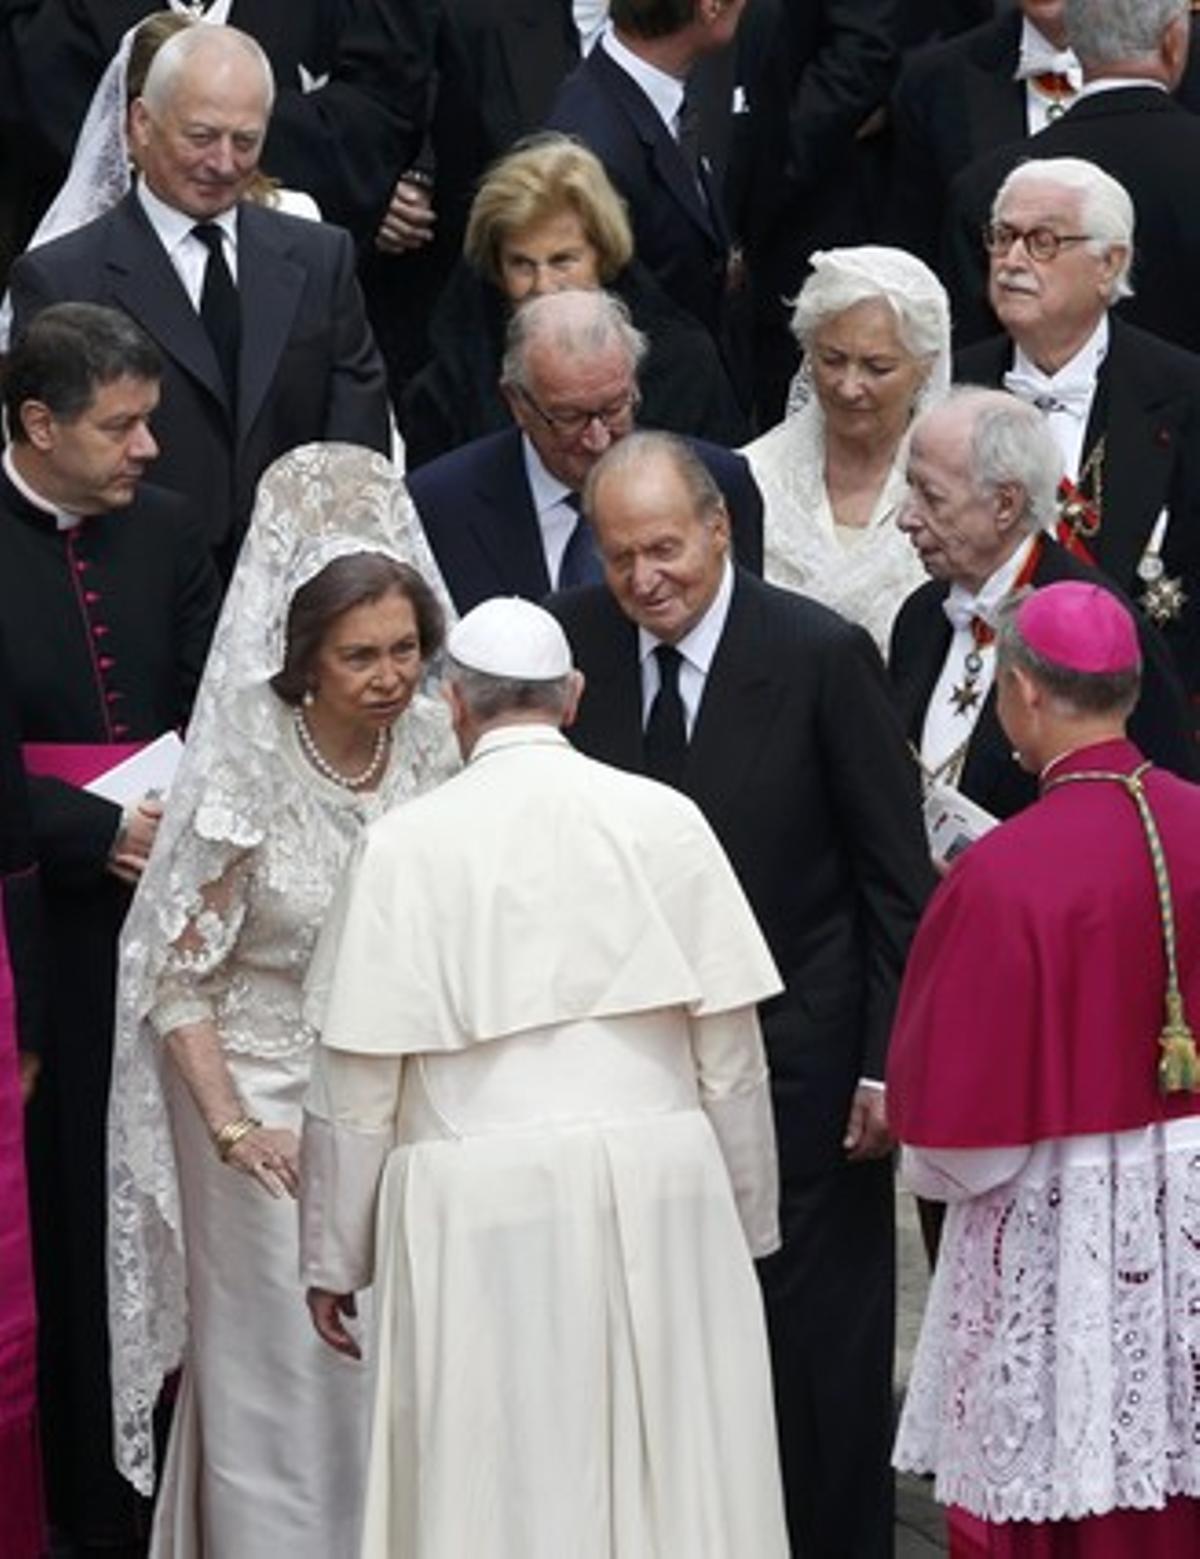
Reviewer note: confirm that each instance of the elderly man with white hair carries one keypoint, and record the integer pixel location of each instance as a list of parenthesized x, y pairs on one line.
[(541, 1121), (1123, 405), (983, 473), (1133, 54)]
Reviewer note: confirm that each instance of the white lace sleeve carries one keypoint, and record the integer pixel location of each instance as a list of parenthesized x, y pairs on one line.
[(192, 972)]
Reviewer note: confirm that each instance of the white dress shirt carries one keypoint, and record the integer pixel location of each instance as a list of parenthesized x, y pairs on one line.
[(184, 250), (663, 90), (556, 517), (696, 648)]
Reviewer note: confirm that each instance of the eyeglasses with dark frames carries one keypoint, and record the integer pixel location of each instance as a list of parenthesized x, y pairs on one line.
[(1041, 243), (570, 424)]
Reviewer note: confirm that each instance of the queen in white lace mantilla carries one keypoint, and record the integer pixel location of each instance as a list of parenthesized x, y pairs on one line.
[(224, 920)]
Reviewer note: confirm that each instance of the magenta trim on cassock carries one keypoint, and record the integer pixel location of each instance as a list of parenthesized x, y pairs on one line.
[(23, 1514), (79, 763)]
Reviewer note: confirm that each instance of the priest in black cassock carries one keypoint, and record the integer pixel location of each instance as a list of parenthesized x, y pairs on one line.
[(107, 600)]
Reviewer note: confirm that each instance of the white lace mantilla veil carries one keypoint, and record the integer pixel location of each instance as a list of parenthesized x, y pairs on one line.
[(99, 173), (318, 503), (866, 583)]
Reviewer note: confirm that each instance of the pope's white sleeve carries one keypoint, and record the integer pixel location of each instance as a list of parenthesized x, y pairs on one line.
[(735, 1093), (956, 1174), (349, 1129)]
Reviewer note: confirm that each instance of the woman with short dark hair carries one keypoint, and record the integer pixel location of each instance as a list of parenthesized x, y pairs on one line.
[(310, 723)]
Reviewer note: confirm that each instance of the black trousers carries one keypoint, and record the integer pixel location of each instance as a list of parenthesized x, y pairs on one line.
[(830, 1296)]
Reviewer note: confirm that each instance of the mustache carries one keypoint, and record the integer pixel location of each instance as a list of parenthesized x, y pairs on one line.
[(1016, 281)]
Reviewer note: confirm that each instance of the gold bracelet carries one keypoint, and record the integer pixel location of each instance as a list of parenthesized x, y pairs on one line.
[(232, 1133)]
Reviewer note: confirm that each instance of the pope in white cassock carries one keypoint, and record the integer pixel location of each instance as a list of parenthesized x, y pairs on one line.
[(539, 1124)]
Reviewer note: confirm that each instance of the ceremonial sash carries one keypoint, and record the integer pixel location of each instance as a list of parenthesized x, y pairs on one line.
[(20, 1470), (78, 763)]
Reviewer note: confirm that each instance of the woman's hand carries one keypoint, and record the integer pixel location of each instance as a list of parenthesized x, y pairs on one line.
[(270, 1156)]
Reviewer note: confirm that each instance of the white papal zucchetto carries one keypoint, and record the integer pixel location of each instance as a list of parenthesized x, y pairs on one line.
[(513, 638)]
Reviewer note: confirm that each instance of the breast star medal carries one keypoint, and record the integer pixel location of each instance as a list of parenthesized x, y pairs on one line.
[(1163, 598)]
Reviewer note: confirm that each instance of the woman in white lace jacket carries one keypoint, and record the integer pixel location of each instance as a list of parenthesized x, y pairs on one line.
[(874, 324), (309, 723)]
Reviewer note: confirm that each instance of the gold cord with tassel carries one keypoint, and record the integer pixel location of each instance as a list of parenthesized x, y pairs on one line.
[(1178, 1065)]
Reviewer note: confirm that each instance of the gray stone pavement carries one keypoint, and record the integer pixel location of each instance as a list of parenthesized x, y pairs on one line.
[(920, 1529)]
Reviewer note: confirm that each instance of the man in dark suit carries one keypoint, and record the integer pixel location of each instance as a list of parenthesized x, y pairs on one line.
[(1123, 406), (961, 98), (983, 478), (108, 598), (1125, 120), (502, 512), (352, 81), (804, 163), (773, 714), (258, 316), (628, 101)]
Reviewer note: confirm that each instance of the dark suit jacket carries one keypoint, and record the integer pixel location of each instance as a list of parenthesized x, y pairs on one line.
[(344, 142), (517, 53), (954, 101), (797, 761), (680, 238), (309, 368), (990, 776), (476, 508), (1147, 409), (1150, 145)]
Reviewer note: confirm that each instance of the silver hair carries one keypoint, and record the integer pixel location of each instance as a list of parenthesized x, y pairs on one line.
[(1105, 209), (1104, 32), (1080, 693), (1010, 443), (574, 323), (635, 449), (842, 278), (168, 64), (488, 697)]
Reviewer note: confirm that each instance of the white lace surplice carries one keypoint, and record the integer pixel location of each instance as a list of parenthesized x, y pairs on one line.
[(804, 550), (1056, 1374)]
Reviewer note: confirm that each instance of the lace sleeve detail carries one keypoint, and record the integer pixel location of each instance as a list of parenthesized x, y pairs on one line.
[(191, 974)]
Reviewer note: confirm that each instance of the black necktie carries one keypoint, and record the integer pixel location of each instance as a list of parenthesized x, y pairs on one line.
[(219, 305), (580, 565), (665, 741), (689, 130)]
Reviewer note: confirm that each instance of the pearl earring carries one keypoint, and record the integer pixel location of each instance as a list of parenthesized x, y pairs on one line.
[(310, 698)]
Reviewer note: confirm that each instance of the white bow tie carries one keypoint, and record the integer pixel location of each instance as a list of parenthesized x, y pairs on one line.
[(1073, 396), (962, 609), (1060, 62)]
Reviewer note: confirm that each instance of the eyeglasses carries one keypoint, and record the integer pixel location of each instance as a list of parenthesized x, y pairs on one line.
[(1041, 243), (570, 424)]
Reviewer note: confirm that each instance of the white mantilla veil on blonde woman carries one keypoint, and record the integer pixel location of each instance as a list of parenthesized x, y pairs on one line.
[(318, 503), (866, 582)]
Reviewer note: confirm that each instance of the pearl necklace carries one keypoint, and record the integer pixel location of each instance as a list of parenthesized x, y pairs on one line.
[(322, 765)]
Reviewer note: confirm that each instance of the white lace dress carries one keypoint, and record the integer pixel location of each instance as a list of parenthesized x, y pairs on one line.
[(267, 1447), (1056, 1374), (863, 574)]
